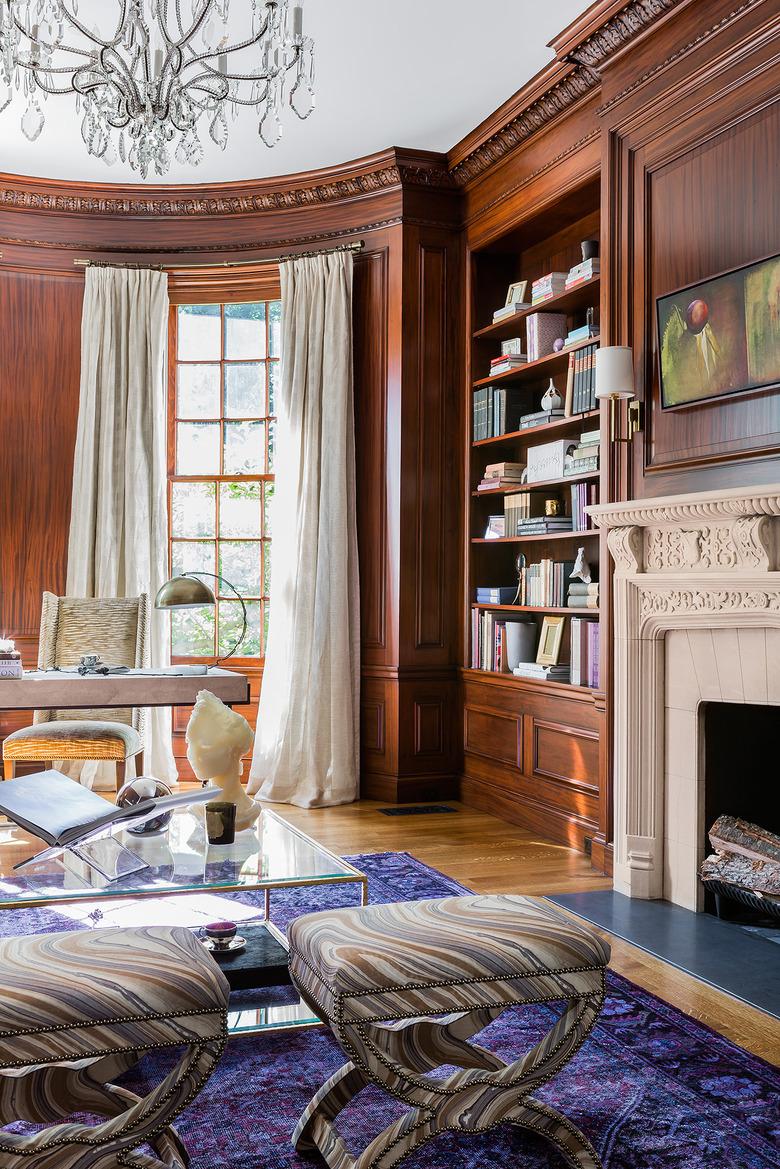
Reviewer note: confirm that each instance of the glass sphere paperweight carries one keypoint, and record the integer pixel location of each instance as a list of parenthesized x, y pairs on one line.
[(135, 791)]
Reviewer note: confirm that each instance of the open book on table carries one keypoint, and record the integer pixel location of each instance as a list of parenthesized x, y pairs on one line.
[(64, 814)]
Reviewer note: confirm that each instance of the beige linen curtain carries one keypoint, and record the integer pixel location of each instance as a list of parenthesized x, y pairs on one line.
[(118, 542), (306, 746)]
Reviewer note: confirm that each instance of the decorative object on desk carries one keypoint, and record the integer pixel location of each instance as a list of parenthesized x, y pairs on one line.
[(221, 822), (615, 383), (581, 570), (520, 641), (547, 460), (720, 336), (189, 592), (550, 641), (217, 740), (558, 344), (138, 791), (10, 659), (542, 329), (553, 507), (551, 399)]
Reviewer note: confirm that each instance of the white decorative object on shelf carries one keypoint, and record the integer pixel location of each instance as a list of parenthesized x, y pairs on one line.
[(551, 400), (151, 76), (217, 740), (547, 460)]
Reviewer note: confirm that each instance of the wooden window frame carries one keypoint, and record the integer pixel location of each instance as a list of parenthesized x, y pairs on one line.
[(214, 286)]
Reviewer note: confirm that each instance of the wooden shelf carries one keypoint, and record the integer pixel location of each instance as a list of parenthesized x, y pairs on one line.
[(543, 484), (590, 532), (514, 679), (565, 610), (552, 363), (574, 422), (567, 302)]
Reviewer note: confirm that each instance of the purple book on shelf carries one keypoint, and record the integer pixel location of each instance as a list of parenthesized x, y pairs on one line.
[(593, 654)]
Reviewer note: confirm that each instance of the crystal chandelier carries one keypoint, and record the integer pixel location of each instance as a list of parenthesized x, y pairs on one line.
[(164, 73)]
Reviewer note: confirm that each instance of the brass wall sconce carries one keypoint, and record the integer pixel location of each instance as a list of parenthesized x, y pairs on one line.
[(615, 383)]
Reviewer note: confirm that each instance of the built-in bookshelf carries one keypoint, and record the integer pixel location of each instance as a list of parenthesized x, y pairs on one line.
[(548, 242)]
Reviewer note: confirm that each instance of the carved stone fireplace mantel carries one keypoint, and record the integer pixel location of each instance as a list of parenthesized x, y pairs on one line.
[(696, 619)]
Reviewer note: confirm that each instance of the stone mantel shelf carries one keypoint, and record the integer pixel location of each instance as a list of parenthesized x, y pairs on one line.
[(682, 509)]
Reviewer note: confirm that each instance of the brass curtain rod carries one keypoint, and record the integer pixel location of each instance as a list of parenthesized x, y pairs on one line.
[(355, 247)]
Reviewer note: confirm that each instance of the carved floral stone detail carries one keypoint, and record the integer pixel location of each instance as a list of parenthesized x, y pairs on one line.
[(708, 601), (625, 545), (745, 543)]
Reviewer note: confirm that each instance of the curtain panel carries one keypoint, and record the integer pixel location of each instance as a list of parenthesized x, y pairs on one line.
[(307, 741), (118, 542)]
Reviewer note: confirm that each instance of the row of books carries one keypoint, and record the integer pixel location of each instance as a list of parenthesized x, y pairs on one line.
[(544, 584), (583, 595), (497, 410), (582, 496), (581, 380), (584, 652), (488, 642)]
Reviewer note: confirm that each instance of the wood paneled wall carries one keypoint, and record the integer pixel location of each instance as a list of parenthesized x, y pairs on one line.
[(406, 304)]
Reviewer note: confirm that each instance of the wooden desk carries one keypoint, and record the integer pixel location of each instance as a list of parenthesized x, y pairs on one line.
[(51, 690)]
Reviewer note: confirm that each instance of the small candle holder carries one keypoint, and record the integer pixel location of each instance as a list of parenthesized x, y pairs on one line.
[(221, 822)]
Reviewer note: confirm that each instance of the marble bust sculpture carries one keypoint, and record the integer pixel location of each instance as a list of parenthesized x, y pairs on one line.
[(217, 740)]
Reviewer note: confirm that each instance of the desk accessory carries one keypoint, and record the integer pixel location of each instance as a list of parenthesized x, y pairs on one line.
[(189, 592)]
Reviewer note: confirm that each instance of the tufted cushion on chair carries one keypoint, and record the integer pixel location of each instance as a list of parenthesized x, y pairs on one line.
[(73, 740), (458, 953)]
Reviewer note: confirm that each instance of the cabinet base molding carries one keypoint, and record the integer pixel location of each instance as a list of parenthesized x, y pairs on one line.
[(552, 824)]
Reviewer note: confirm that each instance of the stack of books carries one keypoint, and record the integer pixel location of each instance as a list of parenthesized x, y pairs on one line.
[(584, 459), (488, 642), (546, 287), (497, 410), (581, 380), (582, 496), (582, 595), (542, 331), (507, 361), (582, 273), (496, 594), (498, 475), (584, 652), (543, 525), (559, 673), (581, 333), (543, 585), (509, 310), (539, 418)]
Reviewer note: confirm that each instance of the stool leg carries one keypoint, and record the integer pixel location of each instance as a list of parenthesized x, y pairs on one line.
[(9, 769)]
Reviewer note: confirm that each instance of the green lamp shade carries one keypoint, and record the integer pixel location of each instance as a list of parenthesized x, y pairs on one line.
[(184, 592)]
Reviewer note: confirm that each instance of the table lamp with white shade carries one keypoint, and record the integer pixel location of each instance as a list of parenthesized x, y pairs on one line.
[(615, 382)]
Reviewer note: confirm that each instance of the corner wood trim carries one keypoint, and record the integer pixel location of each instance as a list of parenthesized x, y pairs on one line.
[(546, 97)]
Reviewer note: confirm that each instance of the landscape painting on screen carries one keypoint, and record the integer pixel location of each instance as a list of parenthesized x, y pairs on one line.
[(721, 336)]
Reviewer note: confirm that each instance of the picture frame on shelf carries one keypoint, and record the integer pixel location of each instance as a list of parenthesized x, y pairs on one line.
[(550, 640), (516, 293)]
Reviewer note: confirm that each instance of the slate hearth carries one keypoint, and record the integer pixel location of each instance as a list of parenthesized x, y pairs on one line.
[(724, 954)]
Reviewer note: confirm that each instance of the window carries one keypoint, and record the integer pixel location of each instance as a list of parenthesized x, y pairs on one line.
[(220, 461)]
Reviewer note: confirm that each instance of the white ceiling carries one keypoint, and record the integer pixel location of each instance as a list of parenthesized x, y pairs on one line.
[(414, 73)]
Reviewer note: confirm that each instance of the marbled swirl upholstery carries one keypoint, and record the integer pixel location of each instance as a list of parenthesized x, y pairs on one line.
[(77, 1009), (376, 975)]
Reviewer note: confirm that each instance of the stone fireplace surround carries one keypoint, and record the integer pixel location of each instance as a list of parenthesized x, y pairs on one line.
[(696, 605)]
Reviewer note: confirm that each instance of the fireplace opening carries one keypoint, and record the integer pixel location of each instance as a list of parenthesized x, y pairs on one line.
[(741, 767)]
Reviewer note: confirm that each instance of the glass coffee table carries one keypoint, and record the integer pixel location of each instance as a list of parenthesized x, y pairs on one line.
[(182, 864)]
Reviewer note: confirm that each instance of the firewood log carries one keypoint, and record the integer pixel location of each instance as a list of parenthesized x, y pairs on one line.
[(729, 834), (757, 876)]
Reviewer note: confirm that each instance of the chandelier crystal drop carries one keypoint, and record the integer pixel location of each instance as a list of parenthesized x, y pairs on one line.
[(151, 78)]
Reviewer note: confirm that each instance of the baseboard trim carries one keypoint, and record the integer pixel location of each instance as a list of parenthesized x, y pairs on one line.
[(409, 789), (548, 822)]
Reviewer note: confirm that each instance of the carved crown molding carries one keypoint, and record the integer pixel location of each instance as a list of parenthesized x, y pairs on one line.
[(704, 505), (368, 176), (587, 56)]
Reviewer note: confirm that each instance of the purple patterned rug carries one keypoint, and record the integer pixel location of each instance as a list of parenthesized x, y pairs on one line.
[(652, 1088)]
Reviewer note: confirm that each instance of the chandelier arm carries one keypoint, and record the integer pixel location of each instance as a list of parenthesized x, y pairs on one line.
[(87, 33), (247, 44), (119, 70)]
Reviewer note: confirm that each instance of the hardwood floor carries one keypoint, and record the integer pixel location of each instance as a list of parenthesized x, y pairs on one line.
[(488, 855)]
